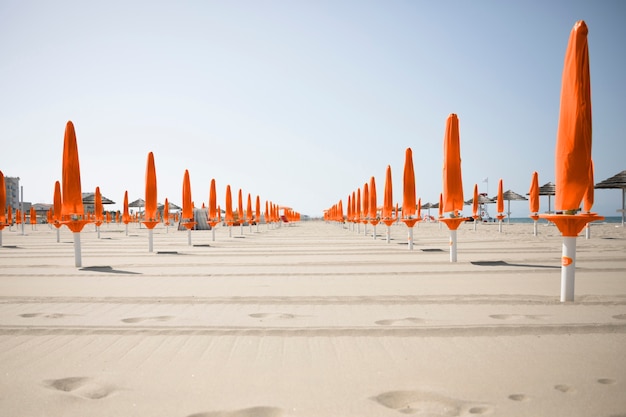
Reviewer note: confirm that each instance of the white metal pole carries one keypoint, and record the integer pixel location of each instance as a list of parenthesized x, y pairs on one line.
[(410, 238), (535, 228), (189, 237), (374, 234), (78, 262), (150, 246), (388, 234), (213, 232), (500, 226), (452, 245), (588, 231), (568, 268)]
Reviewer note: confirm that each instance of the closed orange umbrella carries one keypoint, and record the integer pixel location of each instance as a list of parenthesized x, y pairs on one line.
[(228, 215), (365, 205), (533, 194), (249, 211), (573, 144), (166, 212), (475, 202), (57, 204), (573, 153), (372, 206), (98, 207), (357, 210), (213, 203), (387, 214), (500, 205), (72, 198), (452, 180), (33, 216), (408, 192), (257, 215), (151, 192), (126, 214), (440, 205), (10, 216), (187, 205), (72, 194)]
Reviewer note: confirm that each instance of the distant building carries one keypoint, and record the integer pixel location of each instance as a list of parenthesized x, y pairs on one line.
[(13, 191)]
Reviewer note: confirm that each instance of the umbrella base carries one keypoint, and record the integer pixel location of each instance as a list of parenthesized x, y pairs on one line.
[(453, 223), (570, 225)]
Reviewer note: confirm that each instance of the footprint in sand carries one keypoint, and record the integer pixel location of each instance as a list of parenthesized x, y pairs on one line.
[(430, 404), (80, 386), (565, 389), (281, 316), (606, 381), (48, 316), (519, 397), (404, 321), (245, 412), (517, 316), (140, 319)]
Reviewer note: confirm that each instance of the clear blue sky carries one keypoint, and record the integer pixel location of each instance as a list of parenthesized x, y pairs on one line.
[(300, 102)]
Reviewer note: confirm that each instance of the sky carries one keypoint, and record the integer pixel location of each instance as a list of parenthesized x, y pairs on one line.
[(300, 102)]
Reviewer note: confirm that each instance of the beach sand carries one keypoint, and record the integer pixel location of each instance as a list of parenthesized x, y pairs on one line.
[(311, 319)]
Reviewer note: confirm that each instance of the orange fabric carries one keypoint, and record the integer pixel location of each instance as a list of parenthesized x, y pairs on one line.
[(419, 208), (440, 205), (228, 216), (452, 181), (366, 203), (151, 189), (212, 201), (56, 214), (166, 212), (475, 202), (408, 195), (98, 205), (3, 199), (187, 205), (240, 214), (72, 194), (357, 209), (533, 194), (372, 204), (257, 215), (249, 208), (388, 196), (126, 215), (573, 142), (500, 200), (589, 195), (33, 215)]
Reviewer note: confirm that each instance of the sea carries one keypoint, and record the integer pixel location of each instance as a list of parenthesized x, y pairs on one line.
[(608, 219)]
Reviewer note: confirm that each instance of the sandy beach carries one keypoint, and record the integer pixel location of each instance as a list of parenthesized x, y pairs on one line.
[(311, 319)]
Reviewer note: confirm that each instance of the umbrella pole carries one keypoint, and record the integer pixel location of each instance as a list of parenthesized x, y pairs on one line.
[(500, 226), (98, 227), (150, 241), (410, 238), (623, 204), (568, 268), (78, 262), (508, 213), (230, 231), (475, 221), (0, 238), (535, 228), (374, 234), (588, 231), (58, 234), (213, 232), (189, 237), (126, 229), (452, 245)]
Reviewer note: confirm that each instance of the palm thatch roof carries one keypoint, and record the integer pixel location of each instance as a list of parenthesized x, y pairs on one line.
[(616, 181), (140, 202), (90, 198), (547, 189), (512, 195)]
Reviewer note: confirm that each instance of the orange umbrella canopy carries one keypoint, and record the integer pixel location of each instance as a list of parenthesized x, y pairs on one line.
[(258, 209), (589, 195), (228, 216), (57, 202), (440, 204), (166, 211), (187, 205), (240, 205), (125, 215), (408, 195), (3, 199), (372, 204), (533, 194), (72, 194), (98, 204), (500, 200), (366, 202), (151, 189), (573, 142), (33, 215), (249, 208), (388, 196), (212, 201), (452, 181), (475, 202)]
